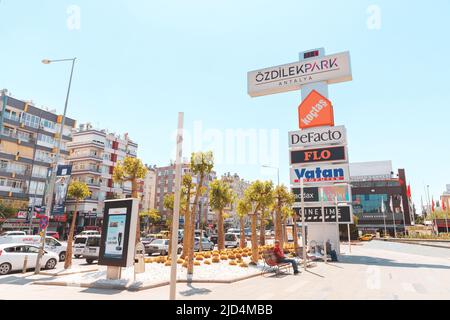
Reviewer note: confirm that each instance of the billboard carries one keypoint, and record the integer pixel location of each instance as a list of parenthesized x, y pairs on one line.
[(327, 154), (315, 111), (62, 182), (330, 194), (319, 174), (315, 215), (317, 137), (119, 233), (333, 68)]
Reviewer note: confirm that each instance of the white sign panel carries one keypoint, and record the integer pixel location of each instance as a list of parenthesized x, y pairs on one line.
[(318, 137), (332, 69), (319, 174)]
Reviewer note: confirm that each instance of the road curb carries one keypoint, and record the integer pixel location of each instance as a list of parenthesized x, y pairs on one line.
[(143, 287), (66, 273), (416, 243)]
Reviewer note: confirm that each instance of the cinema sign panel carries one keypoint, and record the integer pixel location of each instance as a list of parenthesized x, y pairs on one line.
[(315, 214), (319, 174), (318, 137), (332, 69)]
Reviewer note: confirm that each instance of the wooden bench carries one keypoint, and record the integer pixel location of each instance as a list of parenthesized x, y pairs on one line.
[(271, 264)]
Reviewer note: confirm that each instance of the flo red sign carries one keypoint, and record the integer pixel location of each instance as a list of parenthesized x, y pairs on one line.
[(315, 111)]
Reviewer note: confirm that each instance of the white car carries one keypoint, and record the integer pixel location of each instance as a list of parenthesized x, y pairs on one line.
[(12, 257), (161, 246), (88, 233), (233, 240), (13, 233), (51, 244), (78, 246)]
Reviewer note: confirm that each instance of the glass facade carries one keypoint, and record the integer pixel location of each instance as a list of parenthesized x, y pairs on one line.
[(369, 203)]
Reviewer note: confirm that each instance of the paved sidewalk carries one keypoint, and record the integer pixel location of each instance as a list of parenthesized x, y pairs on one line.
[(375, 270)]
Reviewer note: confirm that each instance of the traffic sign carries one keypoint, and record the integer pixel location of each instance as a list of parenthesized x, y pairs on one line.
[(43, 223)]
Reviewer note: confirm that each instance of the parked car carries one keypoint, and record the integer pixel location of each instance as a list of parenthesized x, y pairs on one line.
[(206, 244), (92, 249), (51, 244), (13, 233), (54, 234), (146, 242), (78, 246), (234, 230), (214, 239), (88, 233), (232, 240), (12, 256), (161, 246)]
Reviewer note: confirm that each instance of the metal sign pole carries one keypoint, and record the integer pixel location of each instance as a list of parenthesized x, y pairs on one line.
[(323, 221), (305, 263), (176, 212)]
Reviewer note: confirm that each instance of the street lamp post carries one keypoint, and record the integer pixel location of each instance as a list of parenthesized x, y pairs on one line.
[(55, 162), (278, 172)]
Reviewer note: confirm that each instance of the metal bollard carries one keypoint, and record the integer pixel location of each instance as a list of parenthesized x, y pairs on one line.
[(25, 263)]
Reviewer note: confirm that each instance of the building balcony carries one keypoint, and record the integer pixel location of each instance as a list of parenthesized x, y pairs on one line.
[(88, 156), (90, 170), (15, 171)]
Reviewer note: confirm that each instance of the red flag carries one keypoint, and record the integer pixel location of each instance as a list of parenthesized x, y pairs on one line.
[(444, 207), (432, 205), (408, 192)]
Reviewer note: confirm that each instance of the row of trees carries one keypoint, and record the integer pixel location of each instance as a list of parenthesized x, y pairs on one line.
[(262, 202)]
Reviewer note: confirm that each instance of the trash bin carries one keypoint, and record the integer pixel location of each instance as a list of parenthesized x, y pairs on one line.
[(139, 259)]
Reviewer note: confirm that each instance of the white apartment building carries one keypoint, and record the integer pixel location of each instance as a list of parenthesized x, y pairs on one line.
[(93, 155)]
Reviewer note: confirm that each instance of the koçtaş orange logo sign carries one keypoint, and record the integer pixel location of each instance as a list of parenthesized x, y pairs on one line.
[(315, 111)]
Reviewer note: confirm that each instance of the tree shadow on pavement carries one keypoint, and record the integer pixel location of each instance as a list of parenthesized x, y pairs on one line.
[(194, 291), (21, 281), (365, 260)]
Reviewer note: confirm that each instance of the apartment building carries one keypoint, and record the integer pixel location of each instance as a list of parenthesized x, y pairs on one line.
[(238, 185), (93, 155), (165, 184), (148, 190), (28, 144)]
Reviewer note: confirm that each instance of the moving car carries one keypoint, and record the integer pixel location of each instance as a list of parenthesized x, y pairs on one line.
[(366, 237), (92, 249), (51, 244), (206, 244), (12, 256), (161, 246)]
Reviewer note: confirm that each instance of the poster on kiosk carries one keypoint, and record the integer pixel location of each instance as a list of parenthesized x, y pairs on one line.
[(119, 233)]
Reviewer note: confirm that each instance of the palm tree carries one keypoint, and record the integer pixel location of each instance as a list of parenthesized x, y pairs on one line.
[(259, 195), (220, 196), (131, 170), (187, 192), (79, 191), (282, 197), (202, 164), (243, 209)]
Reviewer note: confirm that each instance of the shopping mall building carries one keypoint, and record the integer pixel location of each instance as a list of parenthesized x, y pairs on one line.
[(380, 197)]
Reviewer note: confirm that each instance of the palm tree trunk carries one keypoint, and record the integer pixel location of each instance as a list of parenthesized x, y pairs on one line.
[(68, 262), (194, 211), (255, 253), (186, 233), (262, 232), (134, 194), (220, 235), (242, 242), (278, 227), (296, 247)]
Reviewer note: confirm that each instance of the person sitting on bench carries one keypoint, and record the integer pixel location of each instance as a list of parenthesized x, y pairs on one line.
[(331, 252), (282, 259)]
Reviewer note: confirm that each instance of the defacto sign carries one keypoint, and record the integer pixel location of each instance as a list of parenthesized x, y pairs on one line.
[(315, 111), (320, 173), (119, 233), (318, 136), (332, 69), (329, 154), (331, 193), (315, 215)]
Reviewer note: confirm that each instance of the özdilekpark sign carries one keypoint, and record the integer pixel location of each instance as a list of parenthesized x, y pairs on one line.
[(332, 69)]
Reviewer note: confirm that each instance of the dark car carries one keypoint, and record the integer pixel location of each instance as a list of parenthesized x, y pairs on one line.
[(214, 239)]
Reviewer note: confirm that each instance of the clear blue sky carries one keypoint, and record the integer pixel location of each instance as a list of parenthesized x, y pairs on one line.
[(140, 62)]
